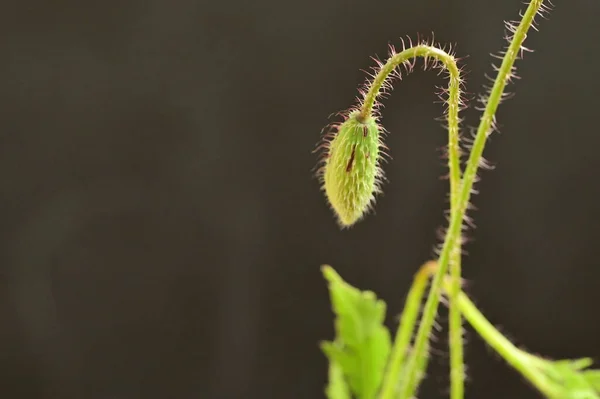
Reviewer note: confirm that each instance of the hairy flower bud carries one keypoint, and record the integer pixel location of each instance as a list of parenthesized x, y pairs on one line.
[(351, 172)]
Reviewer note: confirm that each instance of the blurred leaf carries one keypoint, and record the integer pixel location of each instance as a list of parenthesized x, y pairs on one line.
[(337, 387), (571, 378), (593, 378), (362, 343)]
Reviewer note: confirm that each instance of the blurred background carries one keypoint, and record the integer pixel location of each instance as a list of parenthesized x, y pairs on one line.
[(162, 230)]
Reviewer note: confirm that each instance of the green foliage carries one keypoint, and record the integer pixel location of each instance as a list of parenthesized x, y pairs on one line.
[(337, 388), (359, 354), (571, 379)]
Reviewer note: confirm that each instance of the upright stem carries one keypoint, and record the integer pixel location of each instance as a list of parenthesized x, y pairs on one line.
[(454, 231), (404, 333), (410, 313), (457, 368)]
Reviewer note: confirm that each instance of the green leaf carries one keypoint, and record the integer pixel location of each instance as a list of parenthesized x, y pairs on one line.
[(337, 387), (572, 378), (362, 343), (593, 378)]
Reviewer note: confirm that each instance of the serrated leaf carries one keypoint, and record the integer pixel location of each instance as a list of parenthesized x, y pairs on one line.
[(363, 343), (336, 387), (341, 357)]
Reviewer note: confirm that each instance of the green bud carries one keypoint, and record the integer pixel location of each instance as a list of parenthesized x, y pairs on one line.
[(351, 174)]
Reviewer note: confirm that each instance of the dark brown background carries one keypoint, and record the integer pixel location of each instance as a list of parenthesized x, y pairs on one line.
[(161, 229)]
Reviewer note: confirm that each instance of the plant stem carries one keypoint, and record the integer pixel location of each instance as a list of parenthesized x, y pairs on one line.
[(453, 106), (525, 363), (454, 231), (405, 330), (518, 359), (457, 368), (424, 51), (457, 372)]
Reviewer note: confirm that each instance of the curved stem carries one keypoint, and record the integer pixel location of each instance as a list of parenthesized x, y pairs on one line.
[(410, 313), (518, 359), (454, 231)]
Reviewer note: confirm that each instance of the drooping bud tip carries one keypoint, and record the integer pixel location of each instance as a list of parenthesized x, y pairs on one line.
[(351, 174)]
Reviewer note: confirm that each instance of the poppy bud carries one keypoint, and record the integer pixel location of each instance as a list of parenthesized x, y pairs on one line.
[(351, 173)]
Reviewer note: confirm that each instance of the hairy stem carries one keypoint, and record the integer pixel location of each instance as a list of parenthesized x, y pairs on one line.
[(454, 232), (521, 361), (405, 330), (518, 359), (457, 368), (457, 372), (453, 106)]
